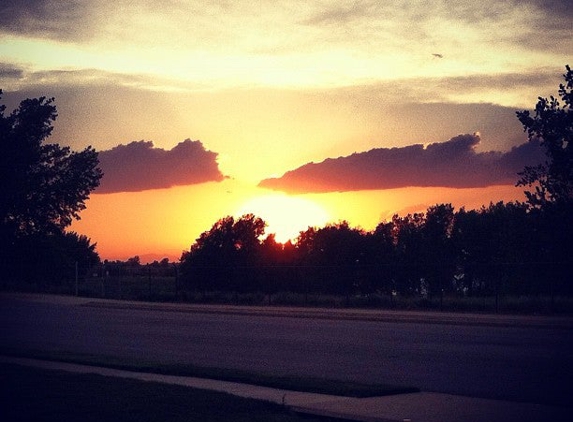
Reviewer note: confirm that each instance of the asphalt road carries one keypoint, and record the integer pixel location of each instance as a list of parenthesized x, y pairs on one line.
[(513, 363)]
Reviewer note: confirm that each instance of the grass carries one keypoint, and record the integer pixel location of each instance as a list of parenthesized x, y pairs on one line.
[(32, 394), (305, 384)]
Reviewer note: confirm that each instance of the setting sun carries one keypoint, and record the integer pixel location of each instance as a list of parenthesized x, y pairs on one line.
[(285, 215)]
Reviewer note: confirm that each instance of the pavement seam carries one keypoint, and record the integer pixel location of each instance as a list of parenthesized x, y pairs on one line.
[(348, 315)]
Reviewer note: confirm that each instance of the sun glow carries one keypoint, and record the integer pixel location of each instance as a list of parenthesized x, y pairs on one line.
[(285, 215)]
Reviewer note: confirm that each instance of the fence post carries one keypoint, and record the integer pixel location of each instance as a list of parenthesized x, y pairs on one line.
[(103, 277), (148, 282), (441, 294), (497, 295), (76, 268), (176, 281)]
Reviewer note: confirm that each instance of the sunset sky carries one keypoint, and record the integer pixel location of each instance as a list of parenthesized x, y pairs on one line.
[(301, 112)]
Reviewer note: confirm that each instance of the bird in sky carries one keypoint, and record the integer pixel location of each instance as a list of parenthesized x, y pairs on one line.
[(437, 55)]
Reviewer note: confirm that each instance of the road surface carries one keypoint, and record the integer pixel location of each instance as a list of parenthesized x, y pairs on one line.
[(513, 363)]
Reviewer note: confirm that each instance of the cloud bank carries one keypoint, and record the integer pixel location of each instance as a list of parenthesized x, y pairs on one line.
[(140, 166), (453, 163)]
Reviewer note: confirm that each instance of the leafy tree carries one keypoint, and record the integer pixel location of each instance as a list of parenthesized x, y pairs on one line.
[(229, 237), (437, 254), (43, 187), (385, 257), (552, 197), (335, 252), (81, 250), (134, 261), (407, 232), (276, 267), (552, 126), (494, 243), (51, 260), (220, 257)]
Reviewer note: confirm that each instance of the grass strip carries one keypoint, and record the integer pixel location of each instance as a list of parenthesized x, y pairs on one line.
[(44, 395), (293, 383)]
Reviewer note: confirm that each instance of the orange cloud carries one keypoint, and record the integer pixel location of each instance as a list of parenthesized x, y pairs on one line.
[(139, 166), (453, 163)]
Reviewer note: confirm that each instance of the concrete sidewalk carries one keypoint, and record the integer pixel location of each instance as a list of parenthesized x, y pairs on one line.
[(414, 407)]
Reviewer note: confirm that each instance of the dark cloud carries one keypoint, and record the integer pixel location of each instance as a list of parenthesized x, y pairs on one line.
[(543, 24), (549, 29), (10, 72), (84, 20), (54, 19), (139, 166), (454, 164), (555, 8), (339, 14), (412, 12)]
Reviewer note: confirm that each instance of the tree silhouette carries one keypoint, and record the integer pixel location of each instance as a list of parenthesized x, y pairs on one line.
[(409, 249), (222, 256), (384, 271), (81, 250), (334, 254), (494, 242), (552, 126), (50, 260), (437, 253), (43, 187), (551, 196)]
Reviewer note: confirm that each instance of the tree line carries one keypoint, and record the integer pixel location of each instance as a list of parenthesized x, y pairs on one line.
[(133, 267), (507, 246)]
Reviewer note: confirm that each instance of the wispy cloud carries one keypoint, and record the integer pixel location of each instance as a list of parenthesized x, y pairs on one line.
[(16, 77), (140, 166), (560, 12), (508, 89), (454, 163)]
